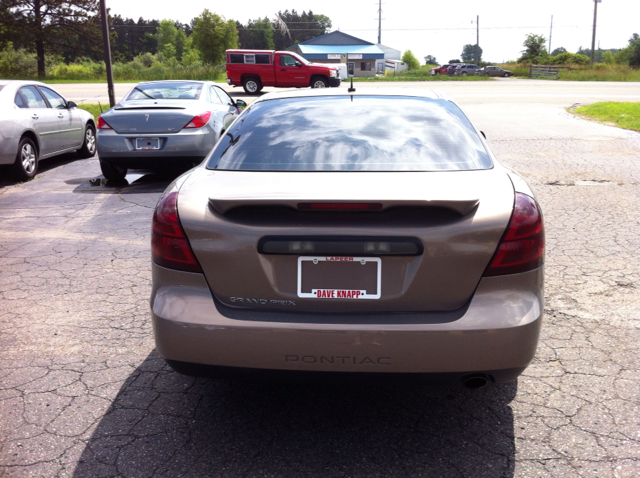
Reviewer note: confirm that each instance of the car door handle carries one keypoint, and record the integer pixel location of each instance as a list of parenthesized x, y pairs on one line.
[(35, 116), (60, 116), (283, 69)]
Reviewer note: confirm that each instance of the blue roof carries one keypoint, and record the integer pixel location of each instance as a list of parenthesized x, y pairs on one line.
[(316, 52)]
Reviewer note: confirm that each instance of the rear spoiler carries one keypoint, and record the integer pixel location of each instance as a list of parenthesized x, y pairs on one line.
[(223, 205)]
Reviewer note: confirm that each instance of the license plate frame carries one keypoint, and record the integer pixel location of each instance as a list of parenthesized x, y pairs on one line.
[(345, 294), (152, 144)]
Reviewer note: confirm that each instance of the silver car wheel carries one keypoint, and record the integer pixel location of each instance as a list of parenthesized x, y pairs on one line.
[(90, 141), (319, 84), (28, 158)]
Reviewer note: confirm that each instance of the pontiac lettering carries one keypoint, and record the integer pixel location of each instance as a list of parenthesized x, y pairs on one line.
[(337, 360)]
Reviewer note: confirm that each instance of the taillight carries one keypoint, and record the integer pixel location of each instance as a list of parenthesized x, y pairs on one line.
[(169, 245), (199, 121), (522, 246), (102, 124)]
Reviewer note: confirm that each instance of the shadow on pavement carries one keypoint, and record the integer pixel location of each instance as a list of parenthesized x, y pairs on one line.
[(165, 424), (6, 173), (136, 182)]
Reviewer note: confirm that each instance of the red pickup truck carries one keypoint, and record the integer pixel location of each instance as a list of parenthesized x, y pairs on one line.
[(254, 69)]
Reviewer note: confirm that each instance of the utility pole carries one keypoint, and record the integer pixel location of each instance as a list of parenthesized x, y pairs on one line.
[(379, 22), (107, 52), (550, 33), (593, 38), (477, 39)]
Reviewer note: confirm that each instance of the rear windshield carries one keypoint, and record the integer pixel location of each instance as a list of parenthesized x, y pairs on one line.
[(186, 90), (345, 133)]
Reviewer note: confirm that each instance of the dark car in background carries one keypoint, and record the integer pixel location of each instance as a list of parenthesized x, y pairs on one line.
[(333, 232), (36, 122), (163, 125), (494, 71), (452, 68)]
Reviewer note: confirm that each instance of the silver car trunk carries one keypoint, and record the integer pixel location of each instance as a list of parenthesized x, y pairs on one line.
[(150, 117), (456, 219)]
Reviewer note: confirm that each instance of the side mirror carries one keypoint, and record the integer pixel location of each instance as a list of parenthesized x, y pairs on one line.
[(71, 104), (298, 64), (241, 103)]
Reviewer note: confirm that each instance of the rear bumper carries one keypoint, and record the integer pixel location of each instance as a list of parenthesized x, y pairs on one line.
[(499, 331), (180, 149)]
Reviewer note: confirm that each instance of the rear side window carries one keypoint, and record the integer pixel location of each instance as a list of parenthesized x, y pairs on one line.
[(32, 96), (250, 58), (345, 133)]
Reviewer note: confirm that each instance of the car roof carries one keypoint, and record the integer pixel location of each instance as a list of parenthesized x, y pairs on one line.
[(172, 81), (21, 82), (336, 92)]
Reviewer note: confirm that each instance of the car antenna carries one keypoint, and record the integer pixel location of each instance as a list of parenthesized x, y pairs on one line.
[(100, 106)]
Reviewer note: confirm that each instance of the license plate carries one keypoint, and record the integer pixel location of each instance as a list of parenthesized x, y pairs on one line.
[(147, 143), (350, 278)]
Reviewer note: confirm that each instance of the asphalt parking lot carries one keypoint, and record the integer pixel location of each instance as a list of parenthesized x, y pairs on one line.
[(84, 394)]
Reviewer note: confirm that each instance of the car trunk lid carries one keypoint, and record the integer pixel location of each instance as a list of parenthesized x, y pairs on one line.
[(163, 117), (423, 248)]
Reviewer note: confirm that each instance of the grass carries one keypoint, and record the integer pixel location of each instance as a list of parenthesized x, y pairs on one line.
[(94, 109), (623, 115), (421, 74), (595, 72)]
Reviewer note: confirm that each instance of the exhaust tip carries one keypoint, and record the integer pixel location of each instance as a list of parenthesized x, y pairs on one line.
[(477, 380)]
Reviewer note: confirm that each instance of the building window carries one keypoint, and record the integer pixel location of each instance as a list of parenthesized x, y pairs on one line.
[(365, 66)]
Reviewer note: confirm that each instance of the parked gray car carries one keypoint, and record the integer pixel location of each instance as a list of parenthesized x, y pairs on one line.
[(163, 124), (36, 122), (494, 71), (368, 232)]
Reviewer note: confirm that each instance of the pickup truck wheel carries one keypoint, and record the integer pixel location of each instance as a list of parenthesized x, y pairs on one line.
[(319, 83), (251, 86)]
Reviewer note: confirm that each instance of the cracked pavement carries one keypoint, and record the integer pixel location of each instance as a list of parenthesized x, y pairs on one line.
[(84, 394)]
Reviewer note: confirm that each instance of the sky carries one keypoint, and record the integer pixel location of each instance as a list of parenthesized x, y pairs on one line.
[(440, 29)]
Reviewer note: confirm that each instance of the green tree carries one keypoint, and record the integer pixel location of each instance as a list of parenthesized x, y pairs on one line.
[(256, 35), (634, 46), (291, 27), (430, 60), (558, 50), (535, 50), (169, 33), (212, 36), (471, 53), (607, 57), (410, 59), (52, 26)]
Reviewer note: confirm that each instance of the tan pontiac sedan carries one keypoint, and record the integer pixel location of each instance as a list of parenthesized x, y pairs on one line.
[(335, 233)]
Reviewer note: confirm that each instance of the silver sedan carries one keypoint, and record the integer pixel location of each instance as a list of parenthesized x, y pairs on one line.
[(36, 122), (163, 124)]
